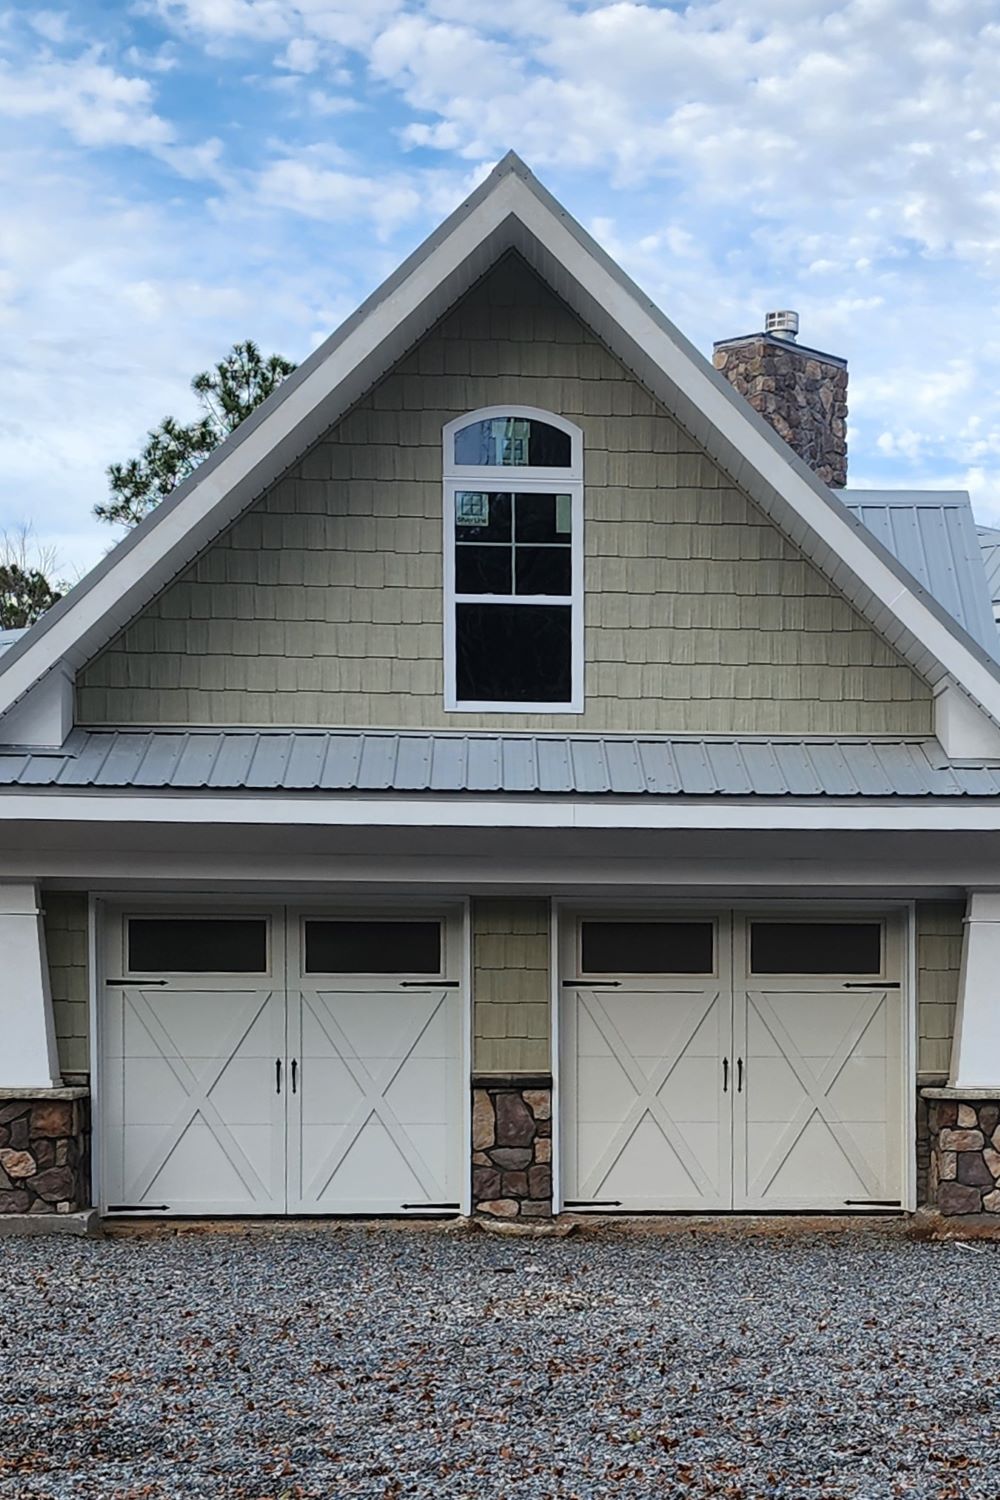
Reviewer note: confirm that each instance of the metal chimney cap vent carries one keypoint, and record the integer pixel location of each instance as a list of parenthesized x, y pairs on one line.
[(782, 325)]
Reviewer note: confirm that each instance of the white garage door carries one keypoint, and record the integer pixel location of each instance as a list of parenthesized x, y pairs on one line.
[(279, 1060), (732, 1061)]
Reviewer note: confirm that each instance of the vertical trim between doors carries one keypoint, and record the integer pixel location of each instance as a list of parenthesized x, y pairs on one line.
[(95, 1045), (908, 1021), (465, 1197), (554, 1055)]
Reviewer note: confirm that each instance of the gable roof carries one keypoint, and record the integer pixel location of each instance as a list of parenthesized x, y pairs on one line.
[(933, 534), (509, 210)]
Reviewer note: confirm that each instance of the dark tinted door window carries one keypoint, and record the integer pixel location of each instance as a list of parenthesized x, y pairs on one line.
[(816, 947), (197, 945), (373, 947), (647, 947)]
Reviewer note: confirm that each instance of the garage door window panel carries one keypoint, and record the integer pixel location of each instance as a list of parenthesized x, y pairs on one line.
[(647, 947), (197, 945), (816, 948), (372, 947)]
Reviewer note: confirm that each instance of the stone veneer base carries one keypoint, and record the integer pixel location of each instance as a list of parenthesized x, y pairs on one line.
[(512, 1148), (963, 1175), (44, 1151)]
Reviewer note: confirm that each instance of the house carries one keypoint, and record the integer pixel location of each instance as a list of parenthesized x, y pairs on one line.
[(509, 776)]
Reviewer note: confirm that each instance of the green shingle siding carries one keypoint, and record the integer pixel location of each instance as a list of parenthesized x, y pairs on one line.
[(66, 946), (510, 986), (940, 925)]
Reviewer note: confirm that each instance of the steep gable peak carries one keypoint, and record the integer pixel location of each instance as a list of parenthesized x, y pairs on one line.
[(509, 210)]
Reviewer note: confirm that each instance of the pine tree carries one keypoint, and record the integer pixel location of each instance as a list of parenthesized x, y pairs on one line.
[(26, 586), (227, 394)]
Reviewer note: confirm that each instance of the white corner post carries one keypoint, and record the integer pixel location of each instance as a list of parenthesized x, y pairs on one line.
[(28, 1057), (975, 1053)]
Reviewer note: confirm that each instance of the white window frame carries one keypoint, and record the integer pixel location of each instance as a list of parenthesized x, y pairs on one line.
[(516, 479)]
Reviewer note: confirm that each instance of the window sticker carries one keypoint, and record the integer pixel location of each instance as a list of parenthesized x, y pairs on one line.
[(472, 508)]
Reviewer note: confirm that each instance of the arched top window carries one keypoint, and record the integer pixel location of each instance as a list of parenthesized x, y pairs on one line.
[(513, 491), (513, 438)]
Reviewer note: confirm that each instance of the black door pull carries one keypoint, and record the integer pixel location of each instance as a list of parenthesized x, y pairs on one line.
[(295, 1070), (725, 1075), (739, 1075), (277, 1075)]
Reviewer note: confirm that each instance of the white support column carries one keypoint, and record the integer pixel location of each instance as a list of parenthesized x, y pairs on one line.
[(975, 1052), (28, 1057)]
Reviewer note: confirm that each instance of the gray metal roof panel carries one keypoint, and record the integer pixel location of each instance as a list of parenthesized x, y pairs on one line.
[(989, 550), (933, 534), (551, 764)]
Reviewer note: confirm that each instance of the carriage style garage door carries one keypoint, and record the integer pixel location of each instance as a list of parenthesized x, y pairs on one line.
[(732, 1061), (270, 1061)]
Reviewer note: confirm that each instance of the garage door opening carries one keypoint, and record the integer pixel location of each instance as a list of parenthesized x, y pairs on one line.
[(282, 1061), (732, 1061)]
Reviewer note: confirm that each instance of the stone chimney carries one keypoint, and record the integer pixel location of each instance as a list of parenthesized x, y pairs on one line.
[(801, 392)]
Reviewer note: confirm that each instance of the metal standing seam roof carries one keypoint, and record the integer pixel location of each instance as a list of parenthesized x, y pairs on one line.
[(338, 761), (989, 547), (933, 534)]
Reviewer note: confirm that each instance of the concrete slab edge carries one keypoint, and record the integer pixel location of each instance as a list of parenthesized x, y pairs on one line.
[(21, 1226), (928, 1224)]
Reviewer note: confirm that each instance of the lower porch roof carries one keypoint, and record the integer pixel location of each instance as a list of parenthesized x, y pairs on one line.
[(333, 761)]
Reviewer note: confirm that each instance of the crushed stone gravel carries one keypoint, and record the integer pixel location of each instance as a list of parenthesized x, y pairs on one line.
[(302, 1364)]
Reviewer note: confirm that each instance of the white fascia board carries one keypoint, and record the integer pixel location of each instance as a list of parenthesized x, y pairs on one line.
[(250, 465), (937, 815)]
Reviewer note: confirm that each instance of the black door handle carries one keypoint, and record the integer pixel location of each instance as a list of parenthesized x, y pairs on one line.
[(295, 1069), (725, 1075), (277, 1075), (739, 1075)]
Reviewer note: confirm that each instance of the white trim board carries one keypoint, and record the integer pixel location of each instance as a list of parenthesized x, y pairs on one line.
[(510, 210), (468, 811)]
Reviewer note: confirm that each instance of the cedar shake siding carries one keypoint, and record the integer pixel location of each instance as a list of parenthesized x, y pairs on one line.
[(940, 925), (510, 987), (66, 947), (323, 604)]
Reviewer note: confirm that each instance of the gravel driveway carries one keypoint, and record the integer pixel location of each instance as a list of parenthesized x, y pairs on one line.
[(428, 1362)]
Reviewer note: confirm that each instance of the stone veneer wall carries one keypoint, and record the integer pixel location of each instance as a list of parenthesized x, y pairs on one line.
[(964, 1172), (512, 1150), (44, 1151), (801, 393)]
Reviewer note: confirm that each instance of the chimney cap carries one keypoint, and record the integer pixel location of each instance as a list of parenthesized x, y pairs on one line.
[(782, 325)]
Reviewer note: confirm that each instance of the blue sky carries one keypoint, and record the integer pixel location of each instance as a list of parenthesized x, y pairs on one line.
[(179, 174)]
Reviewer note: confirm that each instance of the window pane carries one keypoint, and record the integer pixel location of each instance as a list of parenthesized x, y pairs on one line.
[(373, 947), (197, 945), (816, 948), (513, 653), (483, 570), (543, 518), (481, 517), (647, 947), (543, 570), (513, 442)]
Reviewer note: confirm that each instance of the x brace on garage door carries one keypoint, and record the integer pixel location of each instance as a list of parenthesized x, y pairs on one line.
[(732, 1061), (264, 1061)]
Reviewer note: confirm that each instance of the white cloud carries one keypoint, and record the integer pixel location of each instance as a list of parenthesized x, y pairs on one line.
[(300, 56), (87, 97)]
